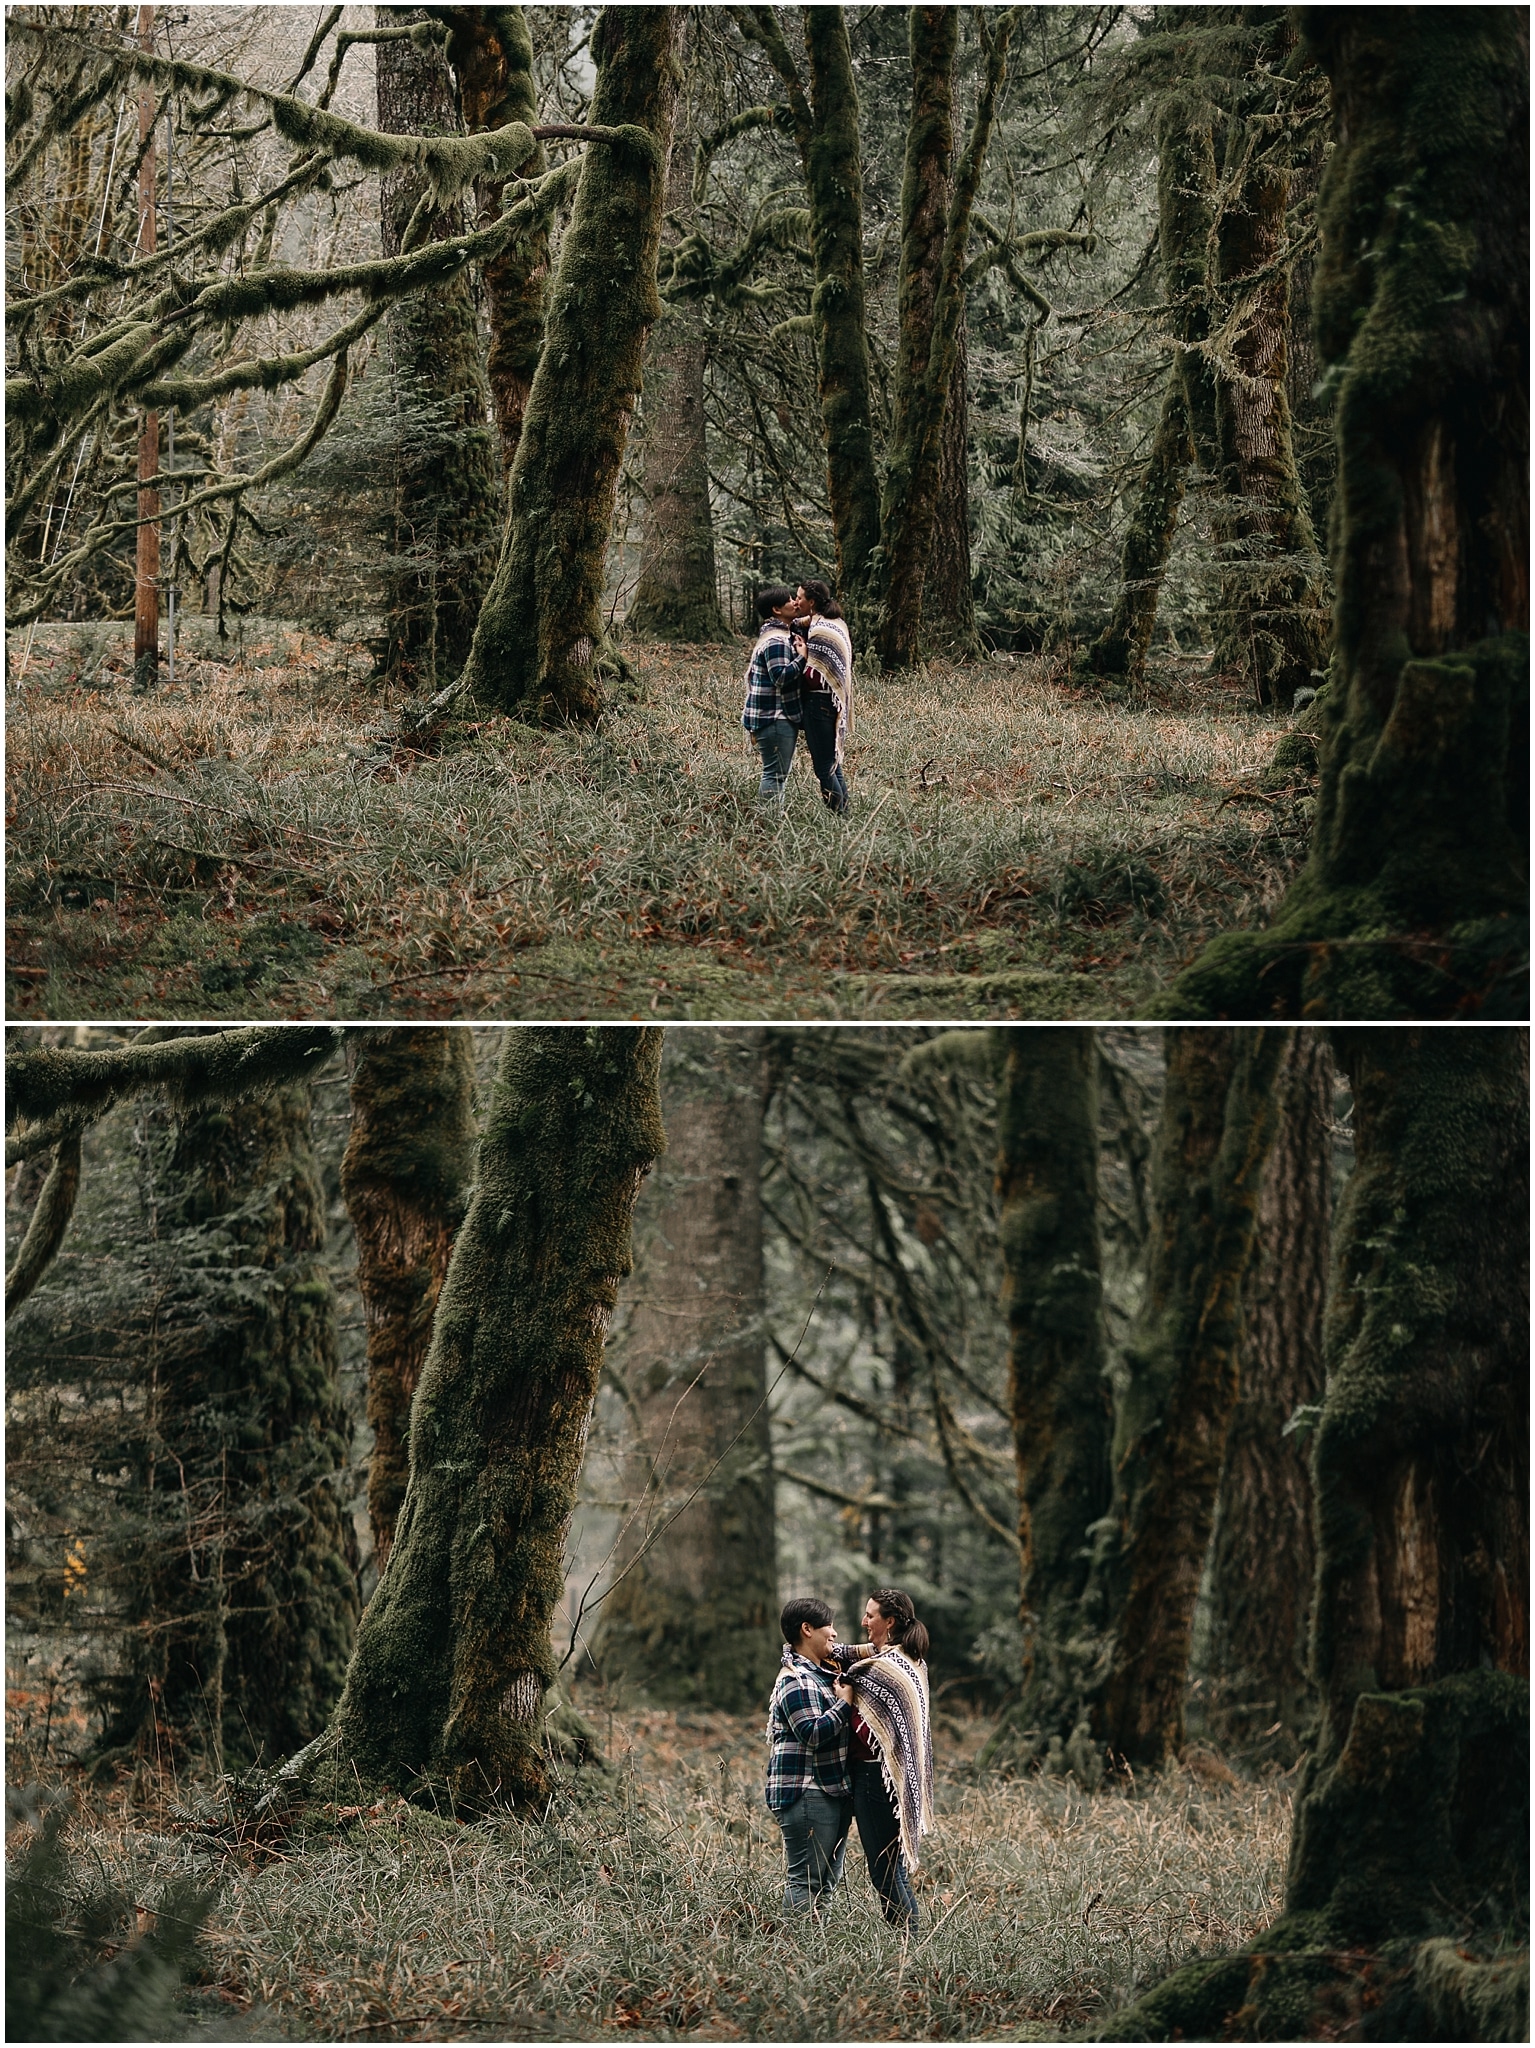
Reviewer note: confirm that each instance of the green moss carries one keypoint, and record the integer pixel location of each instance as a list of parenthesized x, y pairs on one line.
[(537, 650), (1120, 649), (454, 1654)]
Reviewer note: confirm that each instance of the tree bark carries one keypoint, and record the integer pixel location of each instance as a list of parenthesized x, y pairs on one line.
[(677, 597), (1218, 1120), (1120, 649), (455, 1654), (948, 598), (246, 1597), (1414, 898), (1263, 1553), (491, 53), (691, 1620), (1409, 1864), (1275, 575), (932, 312), (405, 1179), (541, 631), (1047, 1178), (448, 491)]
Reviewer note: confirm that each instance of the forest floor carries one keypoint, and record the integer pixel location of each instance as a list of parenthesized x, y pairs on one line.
[(244, 844), (656, 1909)]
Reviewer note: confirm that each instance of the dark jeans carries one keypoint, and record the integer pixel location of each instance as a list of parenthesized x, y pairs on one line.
[(819, 709), (815, 1844), (880, 1833)]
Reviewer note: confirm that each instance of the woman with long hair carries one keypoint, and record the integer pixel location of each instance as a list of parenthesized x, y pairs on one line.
[(826, 693), (891, 1753)]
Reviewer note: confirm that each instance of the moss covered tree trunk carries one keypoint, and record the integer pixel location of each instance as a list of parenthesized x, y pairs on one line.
[(948, 595), (691, 1618), (455, 1654), (247, 1596), (1218, 1119), (1120, 649), (677, 597), (1047, 1179), (448, 489), (1414, 899), (935, 221), (1263, 1552), (405, 1178), (1409, 1862), (1280, 623), (491, 53), (537, 649)]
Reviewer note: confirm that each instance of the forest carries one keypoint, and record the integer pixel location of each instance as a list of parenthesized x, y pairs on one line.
[(412, 1431), (407, 409)]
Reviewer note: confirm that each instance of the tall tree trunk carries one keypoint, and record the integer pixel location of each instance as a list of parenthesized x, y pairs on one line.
[(1275, 575), (1120, 649), (1218, 1119), (1409, 1863), (536, 649), (691, 1616), (925, 366), (448, 492), (247, 1599), (491, 53), (677, 597), (1047, 1178), (1414, 899), (405, 1178), (455, 1653), (834, 175), (1263, 1551), (948, 601)]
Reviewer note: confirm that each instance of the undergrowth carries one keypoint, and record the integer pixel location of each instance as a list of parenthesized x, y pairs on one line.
[(657, 1908), (246, 843)]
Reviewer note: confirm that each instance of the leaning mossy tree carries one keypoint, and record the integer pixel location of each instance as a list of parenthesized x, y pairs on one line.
[(405, 1180), (1414, 900), (689, 1619), (540, 650), (446, 1694), (1407, 1895)]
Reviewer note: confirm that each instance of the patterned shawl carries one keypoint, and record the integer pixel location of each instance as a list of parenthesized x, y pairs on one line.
[(891, 1690), (829, 655)]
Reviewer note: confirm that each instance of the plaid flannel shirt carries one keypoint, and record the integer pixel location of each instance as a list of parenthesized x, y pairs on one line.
[(773, 680), (809, 1730)]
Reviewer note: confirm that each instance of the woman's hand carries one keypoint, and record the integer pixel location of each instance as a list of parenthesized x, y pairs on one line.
[(843, 1691)]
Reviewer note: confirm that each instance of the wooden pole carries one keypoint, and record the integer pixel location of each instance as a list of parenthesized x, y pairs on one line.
[(146, 580)]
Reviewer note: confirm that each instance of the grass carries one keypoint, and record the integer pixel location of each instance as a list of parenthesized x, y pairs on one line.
[(243, 844), (657, 1909)]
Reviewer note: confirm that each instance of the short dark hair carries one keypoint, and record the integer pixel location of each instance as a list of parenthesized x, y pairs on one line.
[(820, 596), (905, 1629), (806, 1613), (771, 597)]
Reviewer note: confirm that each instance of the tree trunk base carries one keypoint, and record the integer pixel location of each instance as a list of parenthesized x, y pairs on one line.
[(1408, 1888)]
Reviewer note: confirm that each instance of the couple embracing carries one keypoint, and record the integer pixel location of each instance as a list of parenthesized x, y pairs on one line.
[(800, 680), (848, 1739)]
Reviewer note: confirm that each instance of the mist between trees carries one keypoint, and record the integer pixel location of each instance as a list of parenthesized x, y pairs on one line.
[(1180, 1377), (504, 340)]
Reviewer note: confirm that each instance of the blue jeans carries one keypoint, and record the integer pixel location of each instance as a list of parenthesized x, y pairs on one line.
[(815, 1843), (880, 1833), (775, 743)]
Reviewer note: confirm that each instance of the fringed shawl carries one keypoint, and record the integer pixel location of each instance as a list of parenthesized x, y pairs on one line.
[(891, 1691), (829, 655)]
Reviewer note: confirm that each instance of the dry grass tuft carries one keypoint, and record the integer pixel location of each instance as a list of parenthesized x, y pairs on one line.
[(243, 844), (657, 1910)]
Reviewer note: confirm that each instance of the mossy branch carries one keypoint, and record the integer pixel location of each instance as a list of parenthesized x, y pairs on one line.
[(215, 1067), (50, 1219)]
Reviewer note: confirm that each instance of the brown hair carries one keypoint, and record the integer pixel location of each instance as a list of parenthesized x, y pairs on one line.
[(820, 596), (905, 1630)]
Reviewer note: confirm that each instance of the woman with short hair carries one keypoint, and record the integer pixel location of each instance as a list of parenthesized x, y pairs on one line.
[(772, 711), (891, 1749), (809, 1789)]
